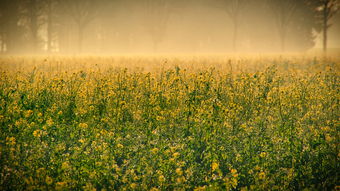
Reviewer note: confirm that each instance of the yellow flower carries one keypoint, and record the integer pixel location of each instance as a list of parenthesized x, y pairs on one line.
[(28, 113), (36, 133), (48, 180), (10, 141), (49, 122), (65, 165), (18, 123), (201, 188), (120, 145), (263, 154), (214, 166), (60, 185), (154, 150), (262, 175), (133, 185), (161, 178), (233, 171), (89, 187), (180, 180), (83, 125), (179, 171), (175, 155)]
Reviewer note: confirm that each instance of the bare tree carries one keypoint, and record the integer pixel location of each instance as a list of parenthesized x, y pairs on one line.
[(33, 13), (234, 9), (81, 12), (327, 8), (49, 7), (157, 16), (11, 14), (283, 11)]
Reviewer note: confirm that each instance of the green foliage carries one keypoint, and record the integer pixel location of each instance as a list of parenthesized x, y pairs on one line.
[(174, 130)]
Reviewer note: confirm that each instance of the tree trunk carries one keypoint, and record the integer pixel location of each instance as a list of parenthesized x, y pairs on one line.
[(2, 47), (34, 25), (49, 27), (325, 26)]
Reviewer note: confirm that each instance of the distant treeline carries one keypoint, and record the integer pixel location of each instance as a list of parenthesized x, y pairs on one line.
[(114, 26)]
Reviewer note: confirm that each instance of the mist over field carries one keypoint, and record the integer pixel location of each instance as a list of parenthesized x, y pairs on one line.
[(167, 26), (157, 95)]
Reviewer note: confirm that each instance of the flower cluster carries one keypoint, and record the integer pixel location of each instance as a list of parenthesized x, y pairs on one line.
[(185, 127)]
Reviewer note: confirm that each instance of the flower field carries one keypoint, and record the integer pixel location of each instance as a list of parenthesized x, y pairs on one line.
[(175, 124)]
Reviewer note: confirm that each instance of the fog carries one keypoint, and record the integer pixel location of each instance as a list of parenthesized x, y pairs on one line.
[(167, 26)]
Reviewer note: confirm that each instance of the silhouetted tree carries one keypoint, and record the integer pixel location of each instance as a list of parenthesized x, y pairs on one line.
[(81, 12), (284, 11), (157, 16), (326, 9), (33, 10), (12, 27), (234, 9), (50, 14)]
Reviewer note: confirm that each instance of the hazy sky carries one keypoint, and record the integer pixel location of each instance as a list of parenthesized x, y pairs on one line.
[(161, 26)]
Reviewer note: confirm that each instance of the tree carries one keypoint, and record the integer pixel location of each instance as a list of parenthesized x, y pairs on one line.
[(234, 9), (283, 11), (49, 7), (157, 16), (326, 9), (33, 13), (12, 29), (81, 12)]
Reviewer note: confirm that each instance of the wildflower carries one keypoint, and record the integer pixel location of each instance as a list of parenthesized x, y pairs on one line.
[(179, 171), (214, 166), (65, 165), (201, 188), (18, 123), (49, 122), (154, 150), (161, 178), (263, 154), (133, 185), (36, 133), (180, 180), (10, 141), (28, 113), (60, 185), (83, 125), (89, 187), (235, 175), (48, 180), (120, 145), (262, 175), (91, 108), (175, 155)]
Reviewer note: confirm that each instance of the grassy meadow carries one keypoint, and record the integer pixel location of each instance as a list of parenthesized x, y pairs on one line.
[(177, 123)]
